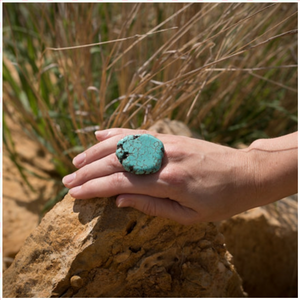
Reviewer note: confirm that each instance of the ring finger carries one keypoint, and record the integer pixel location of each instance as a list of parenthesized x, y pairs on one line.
[(121, 183)]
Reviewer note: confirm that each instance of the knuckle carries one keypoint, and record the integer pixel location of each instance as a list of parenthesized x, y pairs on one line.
[(116, 181), (173, 176), (116, 131), (149, 208), (113, 162), (174, 152), (192, 217), (92, 153), (143, 131), (174, 183), (82, 174), (86, 190)]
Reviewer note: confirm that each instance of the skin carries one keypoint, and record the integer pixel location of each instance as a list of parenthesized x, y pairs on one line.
[(199, 181)]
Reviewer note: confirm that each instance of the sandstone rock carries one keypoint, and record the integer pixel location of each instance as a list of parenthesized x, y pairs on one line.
[(263, 242), (167, 126), (91, 248)]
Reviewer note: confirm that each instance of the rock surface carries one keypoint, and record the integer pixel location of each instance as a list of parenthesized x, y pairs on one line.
[(167, 126), (263, 242), (21, 205), (91, 248)]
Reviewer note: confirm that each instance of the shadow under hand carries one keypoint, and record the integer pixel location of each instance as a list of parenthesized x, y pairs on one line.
[(89, 209)]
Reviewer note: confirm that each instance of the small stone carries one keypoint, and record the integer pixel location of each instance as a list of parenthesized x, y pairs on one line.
[(140, 154), (76, 281), (122, 256)]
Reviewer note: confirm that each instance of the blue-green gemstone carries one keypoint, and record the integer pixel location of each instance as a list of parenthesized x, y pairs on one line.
[(140, 154)]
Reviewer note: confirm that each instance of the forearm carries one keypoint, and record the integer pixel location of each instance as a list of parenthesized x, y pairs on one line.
[(275, 167)]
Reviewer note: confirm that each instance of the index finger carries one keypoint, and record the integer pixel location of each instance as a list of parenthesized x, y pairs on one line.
[(102, 135), (108, 144)]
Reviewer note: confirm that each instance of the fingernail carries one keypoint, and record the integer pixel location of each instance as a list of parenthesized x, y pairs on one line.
[(69, 178), (79, 159), (102, 134), (120, 202), (97, 133), (123, 202), (75, 191)]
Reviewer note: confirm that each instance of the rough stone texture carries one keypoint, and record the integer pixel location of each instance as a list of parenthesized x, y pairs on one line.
[(263, 242), (140, 154), (91, 248), (167, 126)]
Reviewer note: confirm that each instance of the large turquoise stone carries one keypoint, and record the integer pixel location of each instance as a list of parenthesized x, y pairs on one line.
[(140, 154)]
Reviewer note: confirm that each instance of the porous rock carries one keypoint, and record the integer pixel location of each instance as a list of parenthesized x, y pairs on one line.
[(167, 126), (91, 248), (263, 242)]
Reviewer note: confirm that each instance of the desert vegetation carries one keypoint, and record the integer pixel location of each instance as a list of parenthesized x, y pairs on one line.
[(227, 70)]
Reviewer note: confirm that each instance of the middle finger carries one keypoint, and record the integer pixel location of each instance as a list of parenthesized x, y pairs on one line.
[(97, 151), (99, 168)]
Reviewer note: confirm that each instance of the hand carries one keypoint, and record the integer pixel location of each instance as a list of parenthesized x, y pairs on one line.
[(198, 180)]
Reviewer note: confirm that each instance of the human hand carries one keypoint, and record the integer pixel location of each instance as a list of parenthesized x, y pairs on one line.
[(198, 181)]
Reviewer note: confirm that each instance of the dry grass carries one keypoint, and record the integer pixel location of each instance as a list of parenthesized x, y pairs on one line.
[(228, 70)]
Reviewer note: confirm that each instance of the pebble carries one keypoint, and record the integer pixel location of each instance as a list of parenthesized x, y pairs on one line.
[(76, 281), (140, 154)]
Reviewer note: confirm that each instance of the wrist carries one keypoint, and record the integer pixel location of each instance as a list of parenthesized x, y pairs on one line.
[(274, 168)]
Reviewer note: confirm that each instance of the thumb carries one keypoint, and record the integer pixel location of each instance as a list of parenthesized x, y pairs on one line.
[(160, 207)]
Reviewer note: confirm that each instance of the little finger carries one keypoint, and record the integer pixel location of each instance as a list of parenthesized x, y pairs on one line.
[(160, 207)]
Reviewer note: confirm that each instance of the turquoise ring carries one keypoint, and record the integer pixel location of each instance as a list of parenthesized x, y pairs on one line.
[(140, 153)]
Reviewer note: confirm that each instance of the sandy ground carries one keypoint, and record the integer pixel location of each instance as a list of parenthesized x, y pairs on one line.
[(22, 206)]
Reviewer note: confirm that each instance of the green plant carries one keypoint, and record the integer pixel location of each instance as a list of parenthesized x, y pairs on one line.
[(228, 70)]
